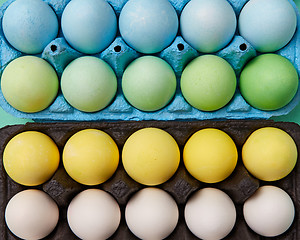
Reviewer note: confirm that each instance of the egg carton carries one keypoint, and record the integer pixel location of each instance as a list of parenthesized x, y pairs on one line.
[(240, 185), (118, 55)]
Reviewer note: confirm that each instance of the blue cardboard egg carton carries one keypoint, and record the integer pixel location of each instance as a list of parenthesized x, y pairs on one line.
[(118, 55)]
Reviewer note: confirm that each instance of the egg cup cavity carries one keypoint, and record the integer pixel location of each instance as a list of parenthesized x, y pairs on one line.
[(119, 55), (240, 185)]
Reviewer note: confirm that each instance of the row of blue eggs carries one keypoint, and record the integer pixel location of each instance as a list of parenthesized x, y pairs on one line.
[(147, 26)]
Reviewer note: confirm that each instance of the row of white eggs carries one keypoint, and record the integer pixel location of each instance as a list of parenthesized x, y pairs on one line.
[(150, 214), (149, 26)]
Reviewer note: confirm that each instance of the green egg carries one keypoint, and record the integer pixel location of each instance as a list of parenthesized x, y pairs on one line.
[(88, 84), (208, 83), (269, 82), (29, 84)]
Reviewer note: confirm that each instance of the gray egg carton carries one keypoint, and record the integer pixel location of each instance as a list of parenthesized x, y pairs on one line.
[(118, 55)]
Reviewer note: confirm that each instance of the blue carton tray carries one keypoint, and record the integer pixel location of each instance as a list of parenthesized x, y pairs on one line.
[(118, 55)]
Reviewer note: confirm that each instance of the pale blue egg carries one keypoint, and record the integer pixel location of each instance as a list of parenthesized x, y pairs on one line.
[(89, 26), (267, 25), (29, 25), (148, 26), (208, 25)]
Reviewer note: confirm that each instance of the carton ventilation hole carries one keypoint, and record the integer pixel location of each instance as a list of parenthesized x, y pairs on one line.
[(53, 48), (243, 46), (180, 46), (117, 48)]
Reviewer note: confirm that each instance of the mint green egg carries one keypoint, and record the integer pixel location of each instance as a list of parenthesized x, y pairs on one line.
[(208, 83), (88, 84), (149, 83), (269, 82), (29, 84)]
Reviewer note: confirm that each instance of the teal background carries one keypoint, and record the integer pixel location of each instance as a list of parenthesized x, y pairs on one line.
[(7, 119)]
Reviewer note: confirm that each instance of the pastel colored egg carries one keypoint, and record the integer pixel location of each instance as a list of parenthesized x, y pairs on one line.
[(31, 158), (31, 214), (269, 154), (90, 156), (149, 83), (88, 84), (210, 214), (89, 26), (208, 26), (150, 156), (269, 82), (29, 84), (29, 25), (93, 214), (269, 211), (267, 25), (208, 83), (148, 26), (210, 155)]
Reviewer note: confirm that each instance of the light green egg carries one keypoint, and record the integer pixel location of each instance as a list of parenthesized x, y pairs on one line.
[(88, 84), (149, 83), (269, 82), (208, 83), (29, 84)]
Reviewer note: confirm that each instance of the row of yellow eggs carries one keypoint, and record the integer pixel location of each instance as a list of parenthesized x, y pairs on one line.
[(150, 156)]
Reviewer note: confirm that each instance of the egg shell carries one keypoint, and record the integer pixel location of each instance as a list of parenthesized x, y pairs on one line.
[(269, 212), (89, 26), (208, 26), (29, 25), (93, 214), (31, 214), (267, 24), (148, 26)]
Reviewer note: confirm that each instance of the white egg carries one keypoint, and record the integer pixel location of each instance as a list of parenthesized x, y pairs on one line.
[(208, 26), (151, 214), (93, 214), (269, 211), (210, 214), (267, 25), (31, 214)]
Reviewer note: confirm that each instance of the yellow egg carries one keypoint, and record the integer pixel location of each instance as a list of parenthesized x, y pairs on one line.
[(210, 155), (90, 156), (150, 156), (269, 154), (31, 158)]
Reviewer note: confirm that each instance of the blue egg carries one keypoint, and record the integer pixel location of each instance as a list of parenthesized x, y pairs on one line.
[(148, 26), (268, 25), (29, 25), (208, 25), (89, 26)]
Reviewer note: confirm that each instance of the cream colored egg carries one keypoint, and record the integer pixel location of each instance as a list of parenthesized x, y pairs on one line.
[(210, 214), (93, 214), (31, 214), (269, 212), (151, 214)]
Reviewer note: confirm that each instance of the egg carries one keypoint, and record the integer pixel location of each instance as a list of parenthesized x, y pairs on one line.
[(208, 26), (88, 84), (267, 25), (31, 214), (208, 83), (93, 214), (90, 156), (269, 154), (269, 211), (151, 214), (149, 83), (148, 26), (89, 26), (150, 156), (210, 214), (210, 155), (29, 25), (269, 82), (29, 84), (30, 158)]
